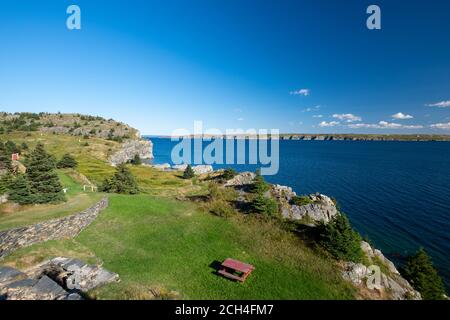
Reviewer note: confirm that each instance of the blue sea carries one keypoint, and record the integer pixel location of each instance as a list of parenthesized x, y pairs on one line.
[(396, 193)]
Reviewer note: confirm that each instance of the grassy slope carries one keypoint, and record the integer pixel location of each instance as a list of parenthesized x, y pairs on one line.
[(156, 242)]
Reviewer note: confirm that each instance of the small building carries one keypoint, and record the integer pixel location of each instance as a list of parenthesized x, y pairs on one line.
[(15, 157)]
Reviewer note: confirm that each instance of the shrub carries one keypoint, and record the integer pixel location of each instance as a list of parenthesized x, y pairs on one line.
[(122, 182), (259, 184), (264, 205), (136, 160), (188, 172), (301, 200), (339, 238), (422, 275), (229, 173), (67, 161), (221, 208)]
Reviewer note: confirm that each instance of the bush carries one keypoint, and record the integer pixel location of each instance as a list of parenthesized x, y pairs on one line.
[(264, 205), (259, 184), (229, 173), (67, 161), (300, 201), (122, 182), (339, 238), (422, 275), (188, 173), (136, 160)]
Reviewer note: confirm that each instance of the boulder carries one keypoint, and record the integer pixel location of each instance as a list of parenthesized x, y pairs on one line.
[(241, 179), (129, 149), (202, 169), (58, 279), (321, 209)]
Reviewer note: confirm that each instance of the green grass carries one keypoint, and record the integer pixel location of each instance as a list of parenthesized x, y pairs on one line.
[(77, 201), (157, 242)]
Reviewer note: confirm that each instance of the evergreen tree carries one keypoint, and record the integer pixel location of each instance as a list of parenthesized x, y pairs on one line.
[(122, 182), (24, 146), (189, 172), (5, 159), (339, 238), (259, 185), (264, 205), (67, 161), (422, 275), (5, 182), (44, 182), (20, 191), (11, 147), (136, 160)]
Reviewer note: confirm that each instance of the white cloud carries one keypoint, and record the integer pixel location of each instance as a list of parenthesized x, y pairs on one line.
[(383, 125), (445, 126), (401, 116), (317, 116), (315, 108), (325, 124), (348, 117), (240, 119), (300, 92), (441, 104)]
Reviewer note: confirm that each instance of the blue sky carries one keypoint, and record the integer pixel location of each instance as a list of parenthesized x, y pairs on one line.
[(160, 65)]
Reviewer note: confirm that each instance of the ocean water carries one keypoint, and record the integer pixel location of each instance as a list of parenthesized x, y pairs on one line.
[(396, 193)]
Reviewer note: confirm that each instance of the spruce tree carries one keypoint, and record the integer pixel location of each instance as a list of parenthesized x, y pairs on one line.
[(124, 181), (422, 275), (67, 161), (339, 238), (136, 160), (44, 181), (259, 185), (189, 172), (20, 191), (5, 159)]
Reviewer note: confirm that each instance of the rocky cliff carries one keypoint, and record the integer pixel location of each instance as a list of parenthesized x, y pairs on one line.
[(377, 278), (129, 149)]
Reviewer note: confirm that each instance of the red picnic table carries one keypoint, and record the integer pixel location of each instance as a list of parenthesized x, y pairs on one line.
[(236, 266)]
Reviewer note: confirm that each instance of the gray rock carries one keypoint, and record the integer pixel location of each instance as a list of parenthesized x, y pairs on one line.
[(322, 209), (22, 283), (202, 169), (8, 275), (129, 149), (46, 286), (241, 179)]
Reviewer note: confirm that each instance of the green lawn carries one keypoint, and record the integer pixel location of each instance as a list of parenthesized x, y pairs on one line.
[(77, 201), (156, 242)]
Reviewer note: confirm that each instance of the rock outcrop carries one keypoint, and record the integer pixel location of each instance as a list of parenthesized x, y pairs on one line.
[(320, 209), (393, 285), (66, 227), (129, 149), (58, 279), (241, 179), (198, 170)]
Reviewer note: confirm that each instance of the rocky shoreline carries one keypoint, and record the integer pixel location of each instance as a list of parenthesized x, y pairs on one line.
[(378, 278)]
